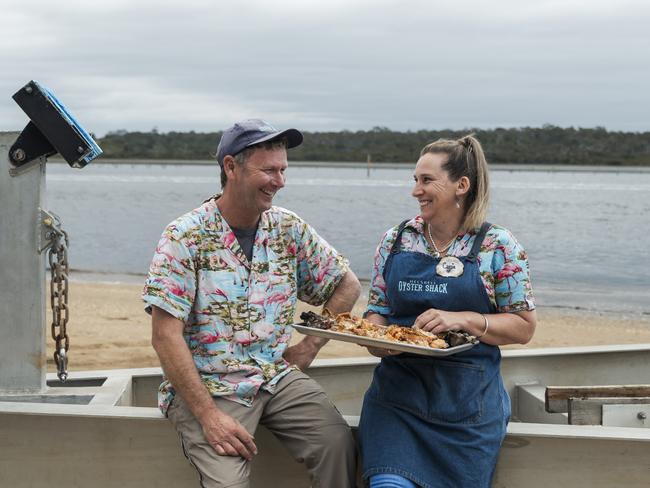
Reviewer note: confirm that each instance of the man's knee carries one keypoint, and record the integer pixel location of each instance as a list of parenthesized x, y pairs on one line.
[(217, 471), (341, 436), (333, 462), (336, 441)]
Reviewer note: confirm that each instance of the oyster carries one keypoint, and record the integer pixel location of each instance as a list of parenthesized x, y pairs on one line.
[(456, 338), (312, 319)]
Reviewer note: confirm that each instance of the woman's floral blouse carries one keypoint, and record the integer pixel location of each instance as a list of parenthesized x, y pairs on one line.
[(503, 266), (237, 314)]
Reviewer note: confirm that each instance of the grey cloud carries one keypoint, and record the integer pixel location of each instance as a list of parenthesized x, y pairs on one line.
[(348, 65)]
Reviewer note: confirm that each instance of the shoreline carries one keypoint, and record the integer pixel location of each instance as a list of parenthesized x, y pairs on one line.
[(385, 165), (562, 299), (109, 329)]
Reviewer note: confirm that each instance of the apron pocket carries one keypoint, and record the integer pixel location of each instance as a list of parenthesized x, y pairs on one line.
[(434, 389)]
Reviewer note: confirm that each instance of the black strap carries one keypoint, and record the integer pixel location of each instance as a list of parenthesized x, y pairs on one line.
[(398, 238), (478, 241)]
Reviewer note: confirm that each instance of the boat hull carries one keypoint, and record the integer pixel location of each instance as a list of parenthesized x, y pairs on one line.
[(109, 432)]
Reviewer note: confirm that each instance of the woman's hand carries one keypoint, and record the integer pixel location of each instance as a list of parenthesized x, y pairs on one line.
[(504, 328), (439, 321)]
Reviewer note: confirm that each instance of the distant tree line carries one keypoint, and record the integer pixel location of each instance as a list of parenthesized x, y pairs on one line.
[(546, 145)]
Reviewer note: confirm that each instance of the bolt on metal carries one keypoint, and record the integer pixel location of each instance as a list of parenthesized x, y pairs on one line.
[(19, 155)]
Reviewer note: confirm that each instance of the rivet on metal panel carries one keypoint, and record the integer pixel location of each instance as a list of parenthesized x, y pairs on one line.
[(28, 89), (48, 222), (642, 415), (18, 155)]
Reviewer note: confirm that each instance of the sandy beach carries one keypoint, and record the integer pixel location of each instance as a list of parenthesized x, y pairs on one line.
[(109, 329)]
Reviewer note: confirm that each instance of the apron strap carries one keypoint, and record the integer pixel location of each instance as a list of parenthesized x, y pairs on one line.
[(398, 238), (471, 257)]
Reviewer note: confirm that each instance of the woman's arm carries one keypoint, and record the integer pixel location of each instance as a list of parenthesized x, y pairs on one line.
[(502, 328), (505, 265)]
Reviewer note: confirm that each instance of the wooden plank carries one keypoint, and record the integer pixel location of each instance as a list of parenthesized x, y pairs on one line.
[(557, 397), (589, 411)]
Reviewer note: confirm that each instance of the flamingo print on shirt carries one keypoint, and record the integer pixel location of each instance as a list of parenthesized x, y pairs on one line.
[(238, 315), (503, 266)]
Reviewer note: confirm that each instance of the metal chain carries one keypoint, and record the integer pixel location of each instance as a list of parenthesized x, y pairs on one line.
[(57, 255)]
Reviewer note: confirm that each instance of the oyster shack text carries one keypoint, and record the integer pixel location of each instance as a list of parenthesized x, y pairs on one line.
[(422, 286)]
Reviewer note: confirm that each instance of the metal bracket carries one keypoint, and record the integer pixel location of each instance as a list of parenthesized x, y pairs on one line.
[(49, 227), (30, 145), (19, 170), (51, 129)]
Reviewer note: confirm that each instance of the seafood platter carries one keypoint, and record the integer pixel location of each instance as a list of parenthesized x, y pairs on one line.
[(348, 328)]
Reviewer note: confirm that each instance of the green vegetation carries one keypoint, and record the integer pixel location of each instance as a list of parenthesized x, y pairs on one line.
[(545, 145)]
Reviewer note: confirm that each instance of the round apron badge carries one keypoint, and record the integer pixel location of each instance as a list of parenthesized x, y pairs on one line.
[(450, 266)]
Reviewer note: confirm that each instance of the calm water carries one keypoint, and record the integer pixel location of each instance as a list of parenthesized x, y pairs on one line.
[(586, 232)]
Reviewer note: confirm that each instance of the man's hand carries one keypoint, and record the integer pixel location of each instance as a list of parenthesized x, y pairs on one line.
[(228, 437), (225, 434), (342, 300), (380, 352), (303, 353)]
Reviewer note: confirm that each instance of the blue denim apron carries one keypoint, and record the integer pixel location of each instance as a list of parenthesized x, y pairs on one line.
[(436, 421)]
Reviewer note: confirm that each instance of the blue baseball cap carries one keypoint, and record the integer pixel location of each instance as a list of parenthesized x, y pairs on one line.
[(250, 132)]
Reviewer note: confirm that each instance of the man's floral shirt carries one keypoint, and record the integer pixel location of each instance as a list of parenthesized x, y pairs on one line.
[(503, 266), (237, 314)]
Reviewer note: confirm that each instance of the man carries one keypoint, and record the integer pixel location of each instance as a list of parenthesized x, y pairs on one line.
[(223, 286)]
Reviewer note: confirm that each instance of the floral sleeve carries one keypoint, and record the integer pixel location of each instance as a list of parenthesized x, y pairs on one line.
[(320, 267), (509, 270), (171, 283), (377, 299)]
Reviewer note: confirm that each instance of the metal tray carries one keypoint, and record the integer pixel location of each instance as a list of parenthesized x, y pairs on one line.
[(382, 343)]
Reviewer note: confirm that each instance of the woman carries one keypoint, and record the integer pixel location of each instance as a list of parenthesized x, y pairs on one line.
[(439, 422)]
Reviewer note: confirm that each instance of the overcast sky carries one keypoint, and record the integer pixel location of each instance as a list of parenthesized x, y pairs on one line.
[(331, 65)]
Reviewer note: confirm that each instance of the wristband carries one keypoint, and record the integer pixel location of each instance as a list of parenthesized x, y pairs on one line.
[(487, 326)]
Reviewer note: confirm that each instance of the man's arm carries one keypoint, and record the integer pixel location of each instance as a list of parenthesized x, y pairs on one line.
[(224, 433), (342, 300)]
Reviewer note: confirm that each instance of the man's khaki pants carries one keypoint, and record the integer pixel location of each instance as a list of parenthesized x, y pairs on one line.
[(299, 414)]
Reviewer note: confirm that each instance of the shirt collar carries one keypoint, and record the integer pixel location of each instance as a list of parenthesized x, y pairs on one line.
[(219, 223)]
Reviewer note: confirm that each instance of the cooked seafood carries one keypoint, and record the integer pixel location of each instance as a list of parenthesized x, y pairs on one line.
[(318, 321), (418, 337), (350, 324)]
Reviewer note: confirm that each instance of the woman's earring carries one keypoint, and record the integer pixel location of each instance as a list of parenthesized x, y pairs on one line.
[(457, 203)]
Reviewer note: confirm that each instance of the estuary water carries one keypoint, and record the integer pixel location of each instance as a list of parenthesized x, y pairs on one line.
[(586, 232)]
